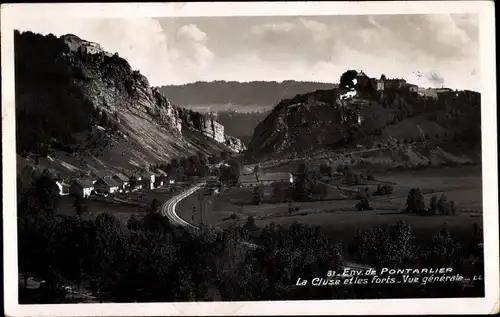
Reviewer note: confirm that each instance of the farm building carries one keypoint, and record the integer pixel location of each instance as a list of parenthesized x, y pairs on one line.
[(135, 180), (122, 180), (251, 180), (161, 172), (81, 188), (106, 185), (63, 187), (149, 179)]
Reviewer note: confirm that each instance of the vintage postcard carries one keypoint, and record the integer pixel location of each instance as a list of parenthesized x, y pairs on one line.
[(272, 158)]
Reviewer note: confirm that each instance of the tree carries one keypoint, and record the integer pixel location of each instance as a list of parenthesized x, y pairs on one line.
[(133, 223), (415, 202), (250, 224), (349, 175), (443, 251), (257, 195), (443, 205), (256, 171), (155, 204), (452, 207), (303, 169), (174, 163), (363, 204), (389, 246), (433, 206), (80, 207), (224, 155), (46, 192), (132, 182), (346, 79), (104, 119), (326, 169)]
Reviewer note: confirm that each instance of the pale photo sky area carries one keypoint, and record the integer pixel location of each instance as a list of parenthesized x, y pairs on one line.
[(171, 51)]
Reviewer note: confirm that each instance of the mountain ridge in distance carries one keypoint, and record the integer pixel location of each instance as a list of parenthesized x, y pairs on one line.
[(238, 96)]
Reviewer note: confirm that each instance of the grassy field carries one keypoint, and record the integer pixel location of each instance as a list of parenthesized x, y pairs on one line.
[(96, 207), (341, 220)]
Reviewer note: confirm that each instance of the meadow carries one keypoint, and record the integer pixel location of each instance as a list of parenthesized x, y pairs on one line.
[(340, 219)]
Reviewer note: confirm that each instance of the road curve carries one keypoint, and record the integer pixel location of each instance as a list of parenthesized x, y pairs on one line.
[(168, 208)]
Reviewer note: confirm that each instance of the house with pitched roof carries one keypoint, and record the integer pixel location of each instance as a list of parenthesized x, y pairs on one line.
[(121, 179), (81, 188), (63, 187), (135, 180), (106, 185), (251, 180)]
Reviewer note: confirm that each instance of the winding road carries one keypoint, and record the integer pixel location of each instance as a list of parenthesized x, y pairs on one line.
[(168, 208)]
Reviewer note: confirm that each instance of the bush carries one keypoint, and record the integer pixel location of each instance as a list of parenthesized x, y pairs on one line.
[(363, 204), (370, 177), (415, 202), (384, 190)]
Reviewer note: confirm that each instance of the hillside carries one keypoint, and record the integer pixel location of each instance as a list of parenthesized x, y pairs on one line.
[(370, 123), (81, 108), (239, 96)]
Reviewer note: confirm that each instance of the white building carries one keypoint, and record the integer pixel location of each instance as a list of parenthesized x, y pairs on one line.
[(106, 185), (81, 188)]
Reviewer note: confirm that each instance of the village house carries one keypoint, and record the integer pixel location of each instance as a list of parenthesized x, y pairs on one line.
[(148, 179), (122, 180), (106, 185), (135, 180), (362, 79), (396, 83), (81, 188), (251, 180), (96, 175), (63, 187), (427, 92)]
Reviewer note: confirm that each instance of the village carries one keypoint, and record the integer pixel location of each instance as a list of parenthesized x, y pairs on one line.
[(104, 183)]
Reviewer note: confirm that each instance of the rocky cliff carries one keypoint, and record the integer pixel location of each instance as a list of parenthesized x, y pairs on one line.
[(357, 119), (74, 98)]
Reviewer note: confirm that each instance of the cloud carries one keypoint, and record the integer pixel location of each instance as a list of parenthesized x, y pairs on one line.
[(321, 48), (190, 46), (142, 42)]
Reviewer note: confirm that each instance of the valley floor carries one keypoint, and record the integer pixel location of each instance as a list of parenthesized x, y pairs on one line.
[(339, 217)]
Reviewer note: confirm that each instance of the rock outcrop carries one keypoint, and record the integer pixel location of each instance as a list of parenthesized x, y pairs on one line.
[(342, 119), (67, 87)]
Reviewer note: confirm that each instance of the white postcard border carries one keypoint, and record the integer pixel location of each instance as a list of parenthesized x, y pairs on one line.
[(12, 15)]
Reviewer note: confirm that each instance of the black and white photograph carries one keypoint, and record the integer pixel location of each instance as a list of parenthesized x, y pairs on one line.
[(249, 158)]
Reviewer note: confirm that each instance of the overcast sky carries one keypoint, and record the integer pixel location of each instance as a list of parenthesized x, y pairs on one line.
[(444, 48)]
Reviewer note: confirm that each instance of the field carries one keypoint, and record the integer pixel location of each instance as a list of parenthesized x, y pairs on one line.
[(339, 217)]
